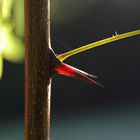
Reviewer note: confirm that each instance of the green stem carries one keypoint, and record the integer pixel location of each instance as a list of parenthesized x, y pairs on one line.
[(63, 56)]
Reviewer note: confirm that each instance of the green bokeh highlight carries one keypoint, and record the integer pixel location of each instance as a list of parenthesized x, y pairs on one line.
[(11, 32)]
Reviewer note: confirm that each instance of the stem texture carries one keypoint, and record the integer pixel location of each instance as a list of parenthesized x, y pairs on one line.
[(37, 70)]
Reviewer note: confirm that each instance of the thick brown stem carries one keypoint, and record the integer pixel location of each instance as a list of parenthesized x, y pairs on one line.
[(37, 70)]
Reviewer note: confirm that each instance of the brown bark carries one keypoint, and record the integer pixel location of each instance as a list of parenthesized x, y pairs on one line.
[(37, 70)]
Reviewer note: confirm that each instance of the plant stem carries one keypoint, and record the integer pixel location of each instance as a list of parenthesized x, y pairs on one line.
[(37, 70), (64, 56)]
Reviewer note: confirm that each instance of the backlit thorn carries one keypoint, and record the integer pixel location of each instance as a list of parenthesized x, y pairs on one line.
[(115, 34), (67, 70), (116, 37)]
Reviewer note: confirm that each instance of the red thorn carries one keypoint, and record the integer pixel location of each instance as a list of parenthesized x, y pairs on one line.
[(70, 71), (64, 69)]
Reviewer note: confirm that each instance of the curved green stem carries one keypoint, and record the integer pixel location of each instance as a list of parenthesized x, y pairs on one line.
[(63, 56)]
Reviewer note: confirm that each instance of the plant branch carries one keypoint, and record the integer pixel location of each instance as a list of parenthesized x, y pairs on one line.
[(37, 70), (64, 56)]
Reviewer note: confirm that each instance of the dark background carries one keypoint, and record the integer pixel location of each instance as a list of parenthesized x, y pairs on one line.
[(81, 111)]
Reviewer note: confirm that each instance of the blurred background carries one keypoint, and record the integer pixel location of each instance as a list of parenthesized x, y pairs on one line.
[(80, 111)]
